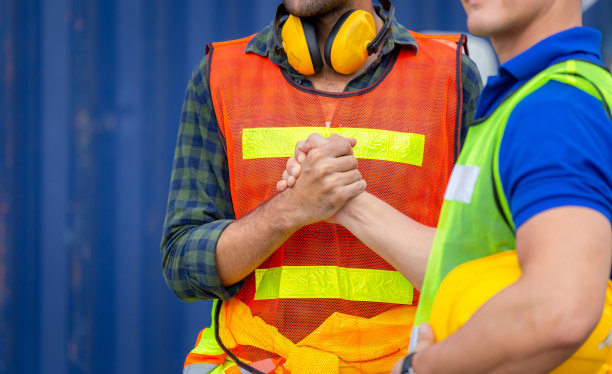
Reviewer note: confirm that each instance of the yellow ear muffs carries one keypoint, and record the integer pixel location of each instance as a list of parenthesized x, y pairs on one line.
[(352, 39), (467, 287), (301, 46), (346, 47)]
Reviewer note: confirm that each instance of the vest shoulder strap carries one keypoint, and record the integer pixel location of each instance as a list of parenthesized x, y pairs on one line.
[(454, 41), (586, 76), (244, 40)]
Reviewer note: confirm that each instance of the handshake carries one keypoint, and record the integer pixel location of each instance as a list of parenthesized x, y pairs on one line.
[(322, 177)]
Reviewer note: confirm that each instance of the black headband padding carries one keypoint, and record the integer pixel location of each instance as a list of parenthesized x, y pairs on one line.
[(313, 44), (280, 12)]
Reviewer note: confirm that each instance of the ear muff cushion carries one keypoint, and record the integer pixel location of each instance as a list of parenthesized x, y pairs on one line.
[(346, 45), (332, 37), (300, 45)]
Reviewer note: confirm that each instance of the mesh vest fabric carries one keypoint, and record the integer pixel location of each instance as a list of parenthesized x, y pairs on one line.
[(408, 125), (484, 226)]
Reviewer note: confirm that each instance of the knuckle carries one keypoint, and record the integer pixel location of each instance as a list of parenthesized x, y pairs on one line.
[(290, 162), (312, 136), (335, 197), (316, 154), (298, 148), (296, 170), (315, 139), (323, 169), (345, 146), (293, 169)]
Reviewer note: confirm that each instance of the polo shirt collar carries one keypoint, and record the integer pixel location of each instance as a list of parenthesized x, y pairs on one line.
[(558, 47)]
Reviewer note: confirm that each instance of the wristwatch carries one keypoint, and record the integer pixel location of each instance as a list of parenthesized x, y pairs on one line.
[(407, 364)]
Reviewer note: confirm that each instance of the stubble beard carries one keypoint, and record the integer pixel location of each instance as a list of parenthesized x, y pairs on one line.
[(316, 8)]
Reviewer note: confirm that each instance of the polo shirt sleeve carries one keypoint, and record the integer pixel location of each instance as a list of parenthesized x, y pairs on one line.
[(557, 151), (199, 201)]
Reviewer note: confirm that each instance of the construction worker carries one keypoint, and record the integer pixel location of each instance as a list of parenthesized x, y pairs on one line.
[(292, 291), (535, 176)]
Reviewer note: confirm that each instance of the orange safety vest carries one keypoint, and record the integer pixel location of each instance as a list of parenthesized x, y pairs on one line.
[(323, 301)]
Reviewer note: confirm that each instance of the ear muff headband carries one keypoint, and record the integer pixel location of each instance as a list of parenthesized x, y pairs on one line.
[(385, 30)]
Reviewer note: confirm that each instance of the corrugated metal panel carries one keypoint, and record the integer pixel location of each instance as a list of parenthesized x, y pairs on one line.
[(20, 183), (55, 231), (90, 96)]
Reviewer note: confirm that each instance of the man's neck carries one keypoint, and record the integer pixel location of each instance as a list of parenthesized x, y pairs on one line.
[(511, 43)]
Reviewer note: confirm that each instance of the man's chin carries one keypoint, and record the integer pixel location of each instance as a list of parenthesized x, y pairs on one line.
[(314, 8), (480, 30)]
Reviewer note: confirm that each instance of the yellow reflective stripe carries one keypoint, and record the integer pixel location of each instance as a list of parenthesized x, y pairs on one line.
[(208, 344), (571, 66), (323, 282), (269, 142), (578, 82)]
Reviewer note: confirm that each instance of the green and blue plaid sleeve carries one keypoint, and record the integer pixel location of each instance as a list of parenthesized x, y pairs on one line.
[(199, 202), (471, 83)]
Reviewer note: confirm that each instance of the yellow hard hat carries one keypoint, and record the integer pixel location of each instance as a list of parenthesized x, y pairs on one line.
[(471, 284)]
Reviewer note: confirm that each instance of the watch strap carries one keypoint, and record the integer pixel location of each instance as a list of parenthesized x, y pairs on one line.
[(407, 364)]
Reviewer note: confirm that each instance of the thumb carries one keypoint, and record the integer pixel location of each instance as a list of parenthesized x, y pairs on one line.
[(334, 136), (426, 336)]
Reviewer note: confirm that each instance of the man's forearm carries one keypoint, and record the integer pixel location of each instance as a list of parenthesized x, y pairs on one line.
[(247, 242), (400, 240)]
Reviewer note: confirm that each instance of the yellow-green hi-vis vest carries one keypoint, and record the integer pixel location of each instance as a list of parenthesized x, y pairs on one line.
[(475, 220)]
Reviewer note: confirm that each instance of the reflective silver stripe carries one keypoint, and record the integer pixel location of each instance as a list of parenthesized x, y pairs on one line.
[(414, 338), (199, 368)]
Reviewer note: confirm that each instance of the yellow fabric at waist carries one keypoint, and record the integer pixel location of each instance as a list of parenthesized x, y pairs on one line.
[(342, 344)]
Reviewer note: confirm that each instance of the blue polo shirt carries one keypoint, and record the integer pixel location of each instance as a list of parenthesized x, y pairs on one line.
[(557, 146)]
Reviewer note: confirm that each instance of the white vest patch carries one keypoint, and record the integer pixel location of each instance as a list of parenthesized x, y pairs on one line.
[(461, 184)]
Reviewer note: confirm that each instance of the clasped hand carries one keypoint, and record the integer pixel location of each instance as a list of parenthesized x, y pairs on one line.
[(322, 176)]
